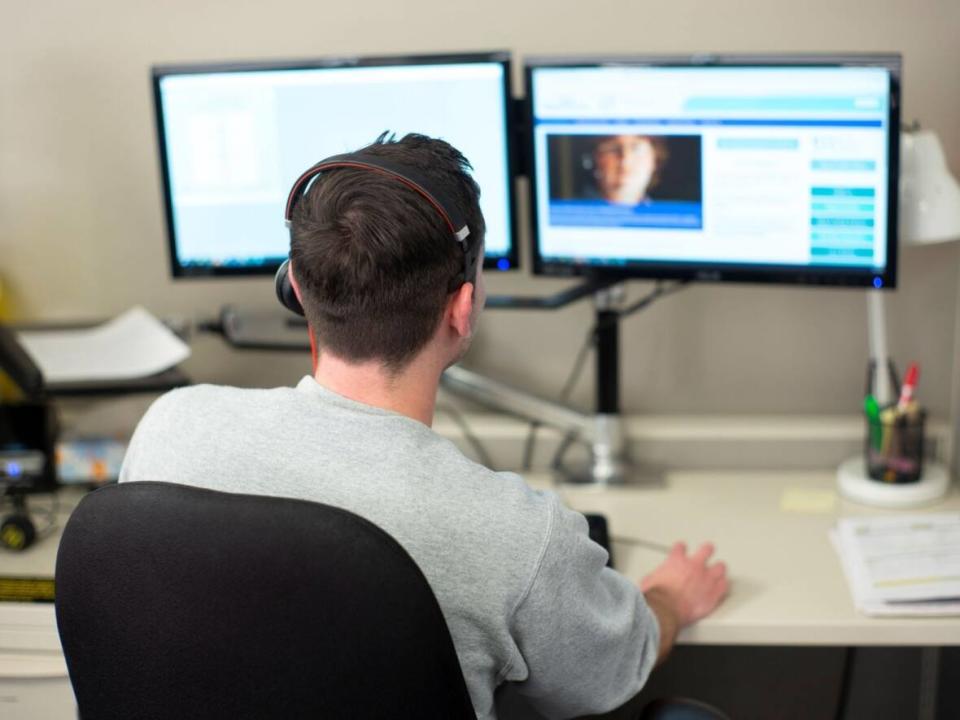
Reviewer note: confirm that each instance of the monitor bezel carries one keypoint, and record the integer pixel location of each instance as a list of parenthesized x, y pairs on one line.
[(722, 272), (506, 261)]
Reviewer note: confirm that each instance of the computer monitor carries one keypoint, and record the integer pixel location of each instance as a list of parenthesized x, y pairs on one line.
[(746, 168), (233, 138)]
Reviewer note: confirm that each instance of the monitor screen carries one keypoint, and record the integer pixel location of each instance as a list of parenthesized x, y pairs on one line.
[(749, 169), (234, 138)]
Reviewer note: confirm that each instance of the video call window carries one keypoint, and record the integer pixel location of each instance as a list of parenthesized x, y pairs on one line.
[(625, 180)]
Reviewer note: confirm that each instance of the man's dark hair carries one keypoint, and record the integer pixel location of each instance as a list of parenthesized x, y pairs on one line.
[(374, 259)]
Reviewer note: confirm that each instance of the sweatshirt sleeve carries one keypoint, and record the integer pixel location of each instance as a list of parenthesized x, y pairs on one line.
[(584, 634)]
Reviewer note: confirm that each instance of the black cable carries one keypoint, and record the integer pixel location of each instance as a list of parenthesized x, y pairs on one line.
[(214, 327), (50, 514), (528, 444), (482, 455), (639, 542), (556, 464), (658, 292), (588, 343)]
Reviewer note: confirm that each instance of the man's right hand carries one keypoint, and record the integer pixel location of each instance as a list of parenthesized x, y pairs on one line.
[(683, 589)]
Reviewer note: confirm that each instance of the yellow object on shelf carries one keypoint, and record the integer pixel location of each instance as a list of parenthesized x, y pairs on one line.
[(10, 392), (6, 310)]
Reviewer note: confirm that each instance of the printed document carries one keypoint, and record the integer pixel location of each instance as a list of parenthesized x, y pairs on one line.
[(132, 345), (902, 564)]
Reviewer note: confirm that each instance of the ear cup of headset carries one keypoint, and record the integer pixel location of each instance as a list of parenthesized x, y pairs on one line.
[(474, 257), (284, 288)]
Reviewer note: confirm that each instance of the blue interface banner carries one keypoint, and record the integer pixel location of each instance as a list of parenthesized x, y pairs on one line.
[(733, 122), (667, 214)]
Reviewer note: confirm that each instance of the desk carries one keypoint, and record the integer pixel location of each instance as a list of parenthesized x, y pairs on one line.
[(787, 584), (788, 593)]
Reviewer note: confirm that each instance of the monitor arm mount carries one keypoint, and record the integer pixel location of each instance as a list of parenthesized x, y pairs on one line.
[(603, 429)]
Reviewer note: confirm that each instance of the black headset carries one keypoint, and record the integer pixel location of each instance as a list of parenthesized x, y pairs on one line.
[(409, 177)]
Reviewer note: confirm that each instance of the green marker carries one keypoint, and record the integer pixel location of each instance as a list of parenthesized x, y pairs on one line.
[(872, 409)]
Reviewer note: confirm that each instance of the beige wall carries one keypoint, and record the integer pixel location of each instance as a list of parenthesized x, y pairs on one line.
[(81, 227)]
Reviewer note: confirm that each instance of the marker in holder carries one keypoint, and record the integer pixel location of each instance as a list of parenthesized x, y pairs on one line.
[(894, 444)]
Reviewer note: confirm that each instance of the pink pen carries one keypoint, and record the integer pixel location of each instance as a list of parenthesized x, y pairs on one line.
[(909, 385)]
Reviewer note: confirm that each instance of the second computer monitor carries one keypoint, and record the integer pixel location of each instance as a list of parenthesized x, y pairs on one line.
[(777, 169), (233, 138)]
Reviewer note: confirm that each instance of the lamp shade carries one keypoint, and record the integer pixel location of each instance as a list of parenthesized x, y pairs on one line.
[(929, 194)]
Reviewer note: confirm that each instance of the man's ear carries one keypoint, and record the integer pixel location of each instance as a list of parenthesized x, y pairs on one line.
[(460, 310), (294, 284)]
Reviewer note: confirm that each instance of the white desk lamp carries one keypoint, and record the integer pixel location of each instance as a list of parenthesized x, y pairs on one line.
[(929, 213)]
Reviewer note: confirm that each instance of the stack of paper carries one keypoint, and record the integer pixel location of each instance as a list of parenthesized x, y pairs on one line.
[(903, 564), (133, 345)]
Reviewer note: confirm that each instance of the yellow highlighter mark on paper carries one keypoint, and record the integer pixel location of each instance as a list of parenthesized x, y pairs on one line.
[(902, 582), (807, 500)]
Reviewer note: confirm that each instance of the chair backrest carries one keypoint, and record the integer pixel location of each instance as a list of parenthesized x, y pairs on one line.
[(179, 602)]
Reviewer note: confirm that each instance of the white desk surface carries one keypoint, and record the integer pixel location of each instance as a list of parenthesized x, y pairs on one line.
[(787, 586)]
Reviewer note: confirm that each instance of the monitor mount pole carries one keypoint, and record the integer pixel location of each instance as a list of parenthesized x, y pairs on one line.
[(608, 459)]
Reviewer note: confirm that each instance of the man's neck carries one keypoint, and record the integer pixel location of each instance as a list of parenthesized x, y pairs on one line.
[(412, 393)]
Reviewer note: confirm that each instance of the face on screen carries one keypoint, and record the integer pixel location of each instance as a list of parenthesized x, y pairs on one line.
[(624, 167)]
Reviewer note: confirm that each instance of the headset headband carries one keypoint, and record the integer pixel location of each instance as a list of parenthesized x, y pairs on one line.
[(409, 177)]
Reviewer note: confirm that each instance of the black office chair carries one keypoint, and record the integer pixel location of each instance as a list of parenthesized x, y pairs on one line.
[(681, 709), (178, 602)]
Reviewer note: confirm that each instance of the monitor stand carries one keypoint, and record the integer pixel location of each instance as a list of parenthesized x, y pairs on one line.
[(609, 463), (603, 430), (264, 329)]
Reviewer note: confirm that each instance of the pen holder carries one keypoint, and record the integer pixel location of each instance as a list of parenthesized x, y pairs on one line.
[(893, 447)]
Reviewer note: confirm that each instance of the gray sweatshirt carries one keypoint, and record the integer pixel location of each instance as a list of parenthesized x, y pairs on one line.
[(524, 591)]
